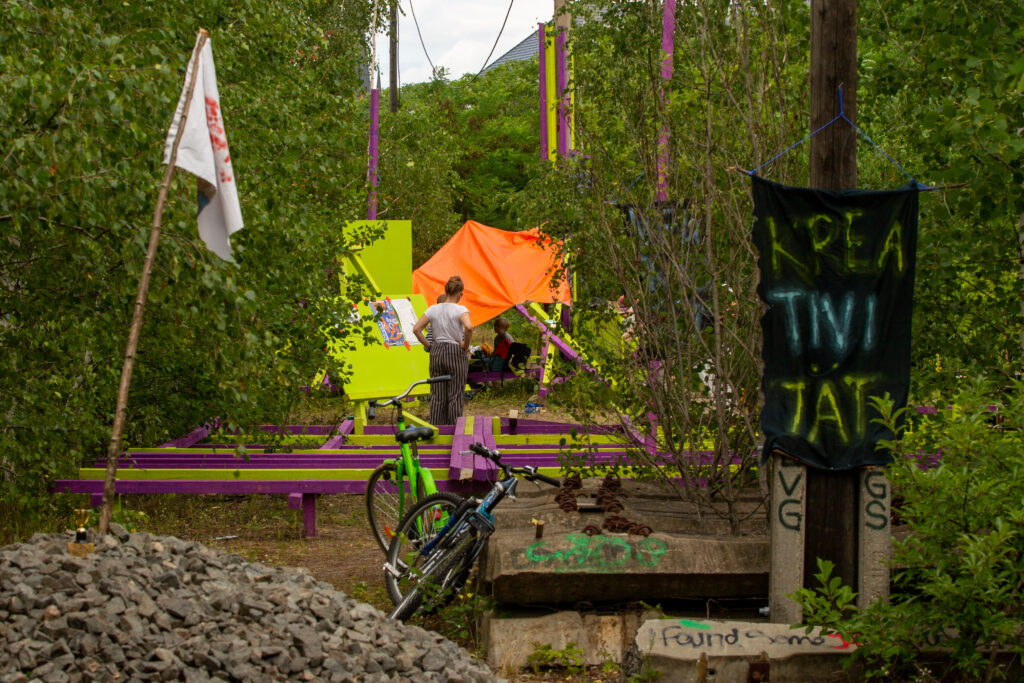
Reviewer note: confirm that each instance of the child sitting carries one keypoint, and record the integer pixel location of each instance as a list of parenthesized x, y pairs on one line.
[(502, 345)]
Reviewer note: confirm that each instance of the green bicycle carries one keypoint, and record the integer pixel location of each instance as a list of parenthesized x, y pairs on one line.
[(396, 483)]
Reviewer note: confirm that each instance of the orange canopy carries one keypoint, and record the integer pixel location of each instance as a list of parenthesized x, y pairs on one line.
[(499, 269)]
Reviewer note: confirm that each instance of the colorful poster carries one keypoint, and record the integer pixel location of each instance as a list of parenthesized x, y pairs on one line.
[(388, 323), (407, 319), (837, 277)]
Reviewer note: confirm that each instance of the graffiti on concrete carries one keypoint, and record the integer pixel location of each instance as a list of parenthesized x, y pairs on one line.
[(790, 508), (876, 507), (705, 636), (597, 554)]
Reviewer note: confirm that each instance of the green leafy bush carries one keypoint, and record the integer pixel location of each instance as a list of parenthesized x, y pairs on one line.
[(88, 92), (958, 595)]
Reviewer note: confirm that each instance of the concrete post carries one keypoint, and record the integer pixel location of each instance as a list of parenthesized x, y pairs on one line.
[(874, 545), (788, 529)]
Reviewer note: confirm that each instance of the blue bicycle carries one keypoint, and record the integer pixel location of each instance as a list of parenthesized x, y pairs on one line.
[(441, 537)]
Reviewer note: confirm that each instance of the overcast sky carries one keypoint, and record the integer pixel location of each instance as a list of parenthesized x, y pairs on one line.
[(458, 34)]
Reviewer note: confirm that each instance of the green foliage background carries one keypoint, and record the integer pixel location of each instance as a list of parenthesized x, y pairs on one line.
[(88, 88), (88, 91)]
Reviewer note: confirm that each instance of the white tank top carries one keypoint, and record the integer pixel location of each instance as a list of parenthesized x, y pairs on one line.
[(445, 324)]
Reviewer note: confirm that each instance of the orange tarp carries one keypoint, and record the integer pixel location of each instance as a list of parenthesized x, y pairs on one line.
[(499, 269)]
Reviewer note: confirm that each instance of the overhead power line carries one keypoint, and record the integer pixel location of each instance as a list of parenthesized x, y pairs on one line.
[(433, 69)]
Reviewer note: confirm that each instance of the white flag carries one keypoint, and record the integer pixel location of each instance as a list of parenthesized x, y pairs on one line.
[(203, 152)]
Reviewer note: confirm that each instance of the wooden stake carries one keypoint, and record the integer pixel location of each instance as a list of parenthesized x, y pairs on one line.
[(393, 65), (372, 143), (114, 451)]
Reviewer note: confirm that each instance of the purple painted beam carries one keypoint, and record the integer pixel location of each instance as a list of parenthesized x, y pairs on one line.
[(548, 336), (563, 94), (436, 461), (541, 28), (461, 460), (309, 514), (190, 439), (371, 173), (526, 426), (344, 429), (483, 469), (668, 32), (496, 376), (233, 487)]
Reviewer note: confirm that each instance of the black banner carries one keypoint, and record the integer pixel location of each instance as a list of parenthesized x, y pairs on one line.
[(837, 275)]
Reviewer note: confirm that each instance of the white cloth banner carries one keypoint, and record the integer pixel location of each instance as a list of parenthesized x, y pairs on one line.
[(203, 152)]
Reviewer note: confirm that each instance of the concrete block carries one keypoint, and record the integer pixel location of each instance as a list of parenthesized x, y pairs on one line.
[(704, 651), (510, 640), (874, 538), (572, 567), (788, 532)]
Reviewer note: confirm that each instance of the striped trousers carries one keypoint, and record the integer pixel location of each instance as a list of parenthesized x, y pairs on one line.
[(446, 398)]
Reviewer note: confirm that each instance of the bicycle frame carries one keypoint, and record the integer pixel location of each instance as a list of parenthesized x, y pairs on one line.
[(479, 517), (410, 477), (407, 466), (459, 540)]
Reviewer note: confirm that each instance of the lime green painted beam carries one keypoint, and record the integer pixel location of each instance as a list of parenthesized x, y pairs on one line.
[(523, 439), (389, 440), (199, 449), (155, 474)]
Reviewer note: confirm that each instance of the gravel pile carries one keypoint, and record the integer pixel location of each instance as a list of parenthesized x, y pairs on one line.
[(148, 607)]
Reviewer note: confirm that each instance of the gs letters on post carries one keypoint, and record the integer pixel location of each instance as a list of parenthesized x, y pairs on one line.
[(837, 276)]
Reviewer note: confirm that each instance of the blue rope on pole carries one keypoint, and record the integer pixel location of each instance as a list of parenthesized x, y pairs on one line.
[(842, 115)]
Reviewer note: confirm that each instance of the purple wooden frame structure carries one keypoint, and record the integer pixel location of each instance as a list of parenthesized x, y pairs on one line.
[(551, 339), (466, 472)]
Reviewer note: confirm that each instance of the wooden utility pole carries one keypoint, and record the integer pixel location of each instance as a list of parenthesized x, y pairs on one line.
[(393, 68), (832, 500)]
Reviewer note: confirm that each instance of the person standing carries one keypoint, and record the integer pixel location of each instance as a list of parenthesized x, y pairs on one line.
[(449, 351)]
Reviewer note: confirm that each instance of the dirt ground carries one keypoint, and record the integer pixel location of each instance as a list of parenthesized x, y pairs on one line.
[(343, 553)]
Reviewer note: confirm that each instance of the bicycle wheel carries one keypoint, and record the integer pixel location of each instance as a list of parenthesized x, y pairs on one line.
[(382, 509), (443, 575), (419, 526)]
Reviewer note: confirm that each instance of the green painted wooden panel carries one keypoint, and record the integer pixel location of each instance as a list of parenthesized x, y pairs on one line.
[(389, 259), (379, 371)]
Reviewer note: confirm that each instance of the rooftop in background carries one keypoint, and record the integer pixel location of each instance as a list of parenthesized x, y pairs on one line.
[(527, 48)]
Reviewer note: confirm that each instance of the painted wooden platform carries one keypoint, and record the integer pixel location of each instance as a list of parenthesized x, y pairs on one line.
[(306, 461)]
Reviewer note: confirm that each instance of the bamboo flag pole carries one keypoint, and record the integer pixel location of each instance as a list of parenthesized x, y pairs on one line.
[(114, 451)]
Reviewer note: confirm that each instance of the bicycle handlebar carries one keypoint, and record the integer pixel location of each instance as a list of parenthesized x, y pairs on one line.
[(396, 399), (550, 481), (529, 472)]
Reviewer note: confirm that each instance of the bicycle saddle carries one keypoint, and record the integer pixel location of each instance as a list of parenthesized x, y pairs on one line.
[(410, 434)]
